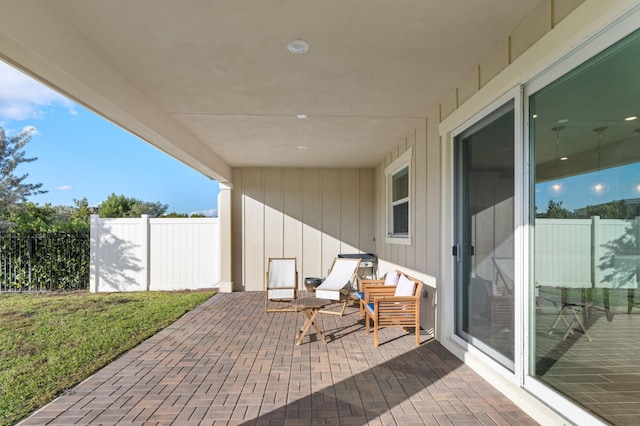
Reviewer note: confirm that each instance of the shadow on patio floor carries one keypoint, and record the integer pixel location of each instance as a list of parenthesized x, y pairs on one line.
[(228, 362)]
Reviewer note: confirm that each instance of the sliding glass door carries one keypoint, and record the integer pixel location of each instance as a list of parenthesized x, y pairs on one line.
[(484, 240), (585, 147)]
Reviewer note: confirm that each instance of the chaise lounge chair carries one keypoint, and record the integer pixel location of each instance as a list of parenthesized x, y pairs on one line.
[(340, 283)]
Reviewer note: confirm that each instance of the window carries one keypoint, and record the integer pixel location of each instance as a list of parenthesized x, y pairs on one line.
[(398, 176)]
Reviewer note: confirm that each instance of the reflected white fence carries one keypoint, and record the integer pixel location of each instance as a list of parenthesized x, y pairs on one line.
[(147, 254), (586, 253)]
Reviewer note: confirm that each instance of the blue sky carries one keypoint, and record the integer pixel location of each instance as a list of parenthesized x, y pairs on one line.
[(80, 154), (618, 183)]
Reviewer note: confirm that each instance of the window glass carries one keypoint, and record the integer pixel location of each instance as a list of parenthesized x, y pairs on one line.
[(484, 210), (401, 184), (585, 141), (398, 176), (401, 219)]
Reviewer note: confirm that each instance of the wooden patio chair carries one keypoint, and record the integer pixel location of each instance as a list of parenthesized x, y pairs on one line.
[(390, 279), (340, 283), (394, 306), (281, 283)]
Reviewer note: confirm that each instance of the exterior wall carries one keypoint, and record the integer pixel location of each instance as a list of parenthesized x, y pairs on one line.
[(510, 64), (552, 32), (421, 259), (424, 254), (310, 214)]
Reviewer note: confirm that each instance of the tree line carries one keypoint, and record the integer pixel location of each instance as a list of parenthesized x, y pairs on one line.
[(17, 214), (619, 209)]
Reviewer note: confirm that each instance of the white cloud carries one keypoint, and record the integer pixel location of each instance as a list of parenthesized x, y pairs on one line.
[(65, 188), (207, 213), (22, 98)]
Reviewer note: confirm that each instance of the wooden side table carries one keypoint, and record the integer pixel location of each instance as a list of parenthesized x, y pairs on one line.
[(310, 306)]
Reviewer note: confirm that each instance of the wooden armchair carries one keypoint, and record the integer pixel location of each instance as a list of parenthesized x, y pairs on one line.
[(394, 306), (391, 279)]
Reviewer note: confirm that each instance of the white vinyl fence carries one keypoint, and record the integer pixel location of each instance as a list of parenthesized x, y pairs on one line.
[(585, 253), (142, 254)]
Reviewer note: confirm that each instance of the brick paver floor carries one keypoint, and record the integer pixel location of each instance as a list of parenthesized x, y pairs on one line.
[(229, 362)]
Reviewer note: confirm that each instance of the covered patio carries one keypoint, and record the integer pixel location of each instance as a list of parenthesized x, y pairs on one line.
[(229, 362)]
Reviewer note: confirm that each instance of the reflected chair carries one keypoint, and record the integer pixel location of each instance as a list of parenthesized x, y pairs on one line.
[(391, 279), (281, 283), (394, 306), (340, 283), (576, 308)]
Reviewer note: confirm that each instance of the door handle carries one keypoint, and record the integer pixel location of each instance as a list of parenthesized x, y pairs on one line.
[(457, 252)]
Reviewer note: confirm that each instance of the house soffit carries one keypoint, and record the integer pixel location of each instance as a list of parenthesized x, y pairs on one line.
[(213, 84)]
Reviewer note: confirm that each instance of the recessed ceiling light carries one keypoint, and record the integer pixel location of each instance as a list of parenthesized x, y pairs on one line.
[(302, 116), (302, 147), (633, 117), (563, 120), (298, 47), (535, 115), (564, 158)]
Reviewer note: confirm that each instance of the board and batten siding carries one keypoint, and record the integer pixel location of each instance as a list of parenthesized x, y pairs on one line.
[(421, 258), (311, 214)]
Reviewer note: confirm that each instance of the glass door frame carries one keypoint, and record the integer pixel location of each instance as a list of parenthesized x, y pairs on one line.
[(520, 238)]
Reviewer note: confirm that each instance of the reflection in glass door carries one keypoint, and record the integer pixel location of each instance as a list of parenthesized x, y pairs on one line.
[(484, 235), (585, 140)]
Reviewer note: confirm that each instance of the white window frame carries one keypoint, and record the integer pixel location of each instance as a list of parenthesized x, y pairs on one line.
[(402, 162)]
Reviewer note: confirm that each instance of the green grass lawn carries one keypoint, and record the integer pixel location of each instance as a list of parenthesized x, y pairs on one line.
[(49, 343)]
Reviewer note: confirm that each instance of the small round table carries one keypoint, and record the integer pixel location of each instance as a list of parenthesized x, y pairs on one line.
[(310, 306)]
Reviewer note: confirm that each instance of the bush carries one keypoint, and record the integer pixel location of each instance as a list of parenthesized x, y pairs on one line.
[(45, 261)]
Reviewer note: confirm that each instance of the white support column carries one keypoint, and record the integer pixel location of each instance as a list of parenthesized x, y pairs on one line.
[(224, 217), (596, 250), (94, 258)]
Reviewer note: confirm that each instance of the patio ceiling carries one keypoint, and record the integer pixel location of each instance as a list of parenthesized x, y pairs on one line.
[(212, 82)]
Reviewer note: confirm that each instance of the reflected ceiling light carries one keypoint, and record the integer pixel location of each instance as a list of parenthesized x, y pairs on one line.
[(298, 47), (599, 187), (558, 187), (633, 117), (302, 147), (535, 116), (563, 121), (564, 158), (302, 116)]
